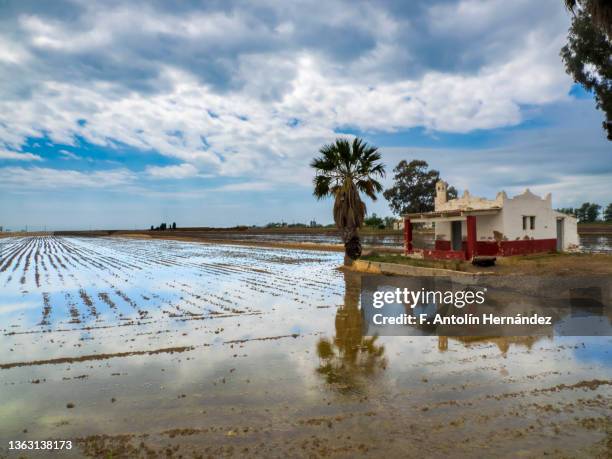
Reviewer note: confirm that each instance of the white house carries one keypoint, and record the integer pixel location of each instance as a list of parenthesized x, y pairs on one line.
[(471, 226)]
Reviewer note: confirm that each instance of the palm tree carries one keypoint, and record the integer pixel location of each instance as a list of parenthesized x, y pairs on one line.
[(599, 10), (343, 170)]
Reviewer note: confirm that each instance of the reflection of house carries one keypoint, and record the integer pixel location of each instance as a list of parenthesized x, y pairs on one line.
[(502, 342), (470, 226)]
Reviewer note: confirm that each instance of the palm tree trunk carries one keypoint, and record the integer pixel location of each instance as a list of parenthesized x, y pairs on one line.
[(352, 248), (352, 244)]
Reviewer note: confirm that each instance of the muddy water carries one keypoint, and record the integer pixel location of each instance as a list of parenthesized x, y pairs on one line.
[(133, 347)]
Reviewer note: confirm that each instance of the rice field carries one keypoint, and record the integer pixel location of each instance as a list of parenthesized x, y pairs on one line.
[(118, 287), (149, 348)]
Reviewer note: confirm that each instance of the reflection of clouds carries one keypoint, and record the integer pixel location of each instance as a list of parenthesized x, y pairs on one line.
[(280, 372), (287, 295), (210, 377), (9, 308), (213, 272), (194, 277), (467, 359), (594, 350), (523, 366)]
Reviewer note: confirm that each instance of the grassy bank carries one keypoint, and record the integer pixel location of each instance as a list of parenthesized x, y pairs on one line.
[(455, 265), (564, 264)]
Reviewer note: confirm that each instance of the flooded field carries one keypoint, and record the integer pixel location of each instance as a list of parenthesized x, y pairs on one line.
[(147, 348)]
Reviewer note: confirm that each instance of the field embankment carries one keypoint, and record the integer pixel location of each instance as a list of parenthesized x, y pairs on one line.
[(595, 228), (542, 264)]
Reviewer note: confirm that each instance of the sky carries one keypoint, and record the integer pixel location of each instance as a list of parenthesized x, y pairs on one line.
[(127, 114)]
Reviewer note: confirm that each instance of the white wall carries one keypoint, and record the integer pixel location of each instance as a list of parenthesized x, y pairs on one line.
[(487, 224), (443, 231), (528, 204), (570, 231)]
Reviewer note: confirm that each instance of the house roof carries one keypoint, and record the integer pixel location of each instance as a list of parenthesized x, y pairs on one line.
[(452, 213)]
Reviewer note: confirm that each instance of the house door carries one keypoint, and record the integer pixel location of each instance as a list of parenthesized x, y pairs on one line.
[(456, 236), (560, 235)]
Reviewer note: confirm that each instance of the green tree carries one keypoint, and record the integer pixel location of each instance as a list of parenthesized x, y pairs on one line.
[(414, 188), (375, 221), (389, 222), (343, 170), (593, 213), (588, 212), (599, 10), (607, 216), (588, 50)]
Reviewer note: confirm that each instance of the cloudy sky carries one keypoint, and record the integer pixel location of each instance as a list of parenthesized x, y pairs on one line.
[(126, 114)]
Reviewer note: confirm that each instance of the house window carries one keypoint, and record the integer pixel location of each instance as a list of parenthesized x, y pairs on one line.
[(528, 222), (532, 222)]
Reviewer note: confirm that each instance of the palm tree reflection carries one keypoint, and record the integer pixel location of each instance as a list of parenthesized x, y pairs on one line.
[(350, 360)]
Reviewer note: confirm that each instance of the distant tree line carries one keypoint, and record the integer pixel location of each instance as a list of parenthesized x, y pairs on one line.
[(164, 227), (589, 212), (312, 224), (374, 221)]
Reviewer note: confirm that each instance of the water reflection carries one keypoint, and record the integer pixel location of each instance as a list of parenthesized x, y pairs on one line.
[(356, 355), (249, 384), (350, 357), (502, 342), (507, 306)]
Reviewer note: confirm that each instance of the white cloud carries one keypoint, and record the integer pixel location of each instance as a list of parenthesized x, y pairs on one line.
[(14, 155), (69, 155), (235, 93), (172, 172), (245, 186), (37, 178)]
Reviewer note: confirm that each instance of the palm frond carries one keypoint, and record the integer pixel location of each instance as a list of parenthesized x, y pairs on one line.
[(322, 187)]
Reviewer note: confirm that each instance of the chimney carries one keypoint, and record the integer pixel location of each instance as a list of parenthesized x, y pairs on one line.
[(441, 194)]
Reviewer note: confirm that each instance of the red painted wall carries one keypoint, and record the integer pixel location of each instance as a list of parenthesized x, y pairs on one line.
[(442, 245), (408, 247), (509, 248), (496, 248), (492, 248), (443, 254), (471, 238)]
